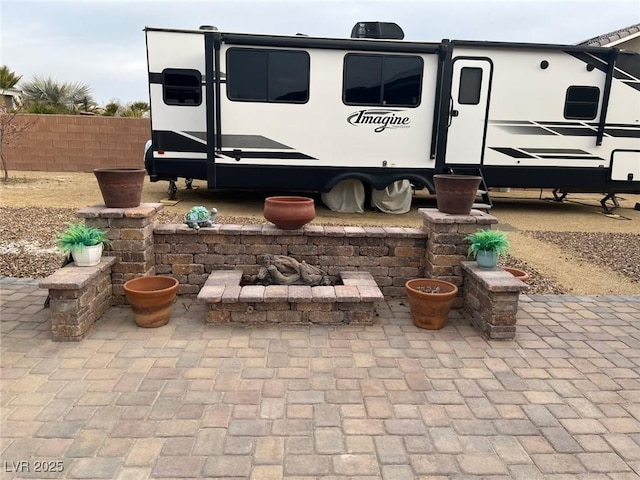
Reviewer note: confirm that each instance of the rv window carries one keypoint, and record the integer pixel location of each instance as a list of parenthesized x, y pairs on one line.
[(276, 76), (470, 86), (581, 103), (182, 87), (387, 80)]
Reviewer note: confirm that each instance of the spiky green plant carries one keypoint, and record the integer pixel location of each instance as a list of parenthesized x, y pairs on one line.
[(78, 235), (488, 240), (8, 78), (63, 97)]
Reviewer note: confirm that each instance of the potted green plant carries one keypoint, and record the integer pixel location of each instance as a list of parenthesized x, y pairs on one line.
[(85, 244), (487, 245)]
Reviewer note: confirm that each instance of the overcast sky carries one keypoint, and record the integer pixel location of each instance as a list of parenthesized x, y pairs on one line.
[(101, 42)]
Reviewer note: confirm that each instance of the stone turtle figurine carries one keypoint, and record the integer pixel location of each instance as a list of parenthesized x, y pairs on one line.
[(199, 217)]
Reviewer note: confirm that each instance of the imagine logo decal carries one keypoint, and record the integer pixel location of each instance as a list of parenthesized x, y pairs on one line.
[(380, 118)]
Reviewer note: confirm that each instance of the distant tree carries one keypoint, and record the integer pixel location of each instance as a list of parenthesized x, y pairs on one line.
[(133, 109), (111, 109), (62, 97), (11, 129), (8, 78)]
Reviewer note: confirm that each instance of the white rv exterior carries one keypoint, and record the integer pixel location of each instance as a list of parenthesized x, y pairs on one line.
[(304, 113)]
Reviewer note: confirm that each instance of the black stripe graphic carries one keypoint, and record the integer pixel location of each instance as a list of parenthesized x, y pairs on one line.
[(268, 155), (174, 142), (244, 141), (635, 85), (532, 130), (618, 132), (512, 152), (574, 132), (569, 157), (566, 151)]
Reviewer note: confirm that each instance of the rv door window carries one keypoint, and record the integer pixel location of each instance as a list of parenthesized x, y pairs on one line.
[(274, 76), (470, 86), (182, 87), (377, 80), (581, 103)]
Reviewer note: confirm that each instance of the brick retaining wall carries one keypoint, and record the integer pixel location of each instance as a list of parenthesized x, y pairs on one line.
[(391, 255), (79, 143)]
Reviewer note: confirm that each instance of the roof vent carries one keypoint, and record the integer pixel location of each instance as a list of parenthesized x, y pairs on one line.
[(208, 27), (386, 30)]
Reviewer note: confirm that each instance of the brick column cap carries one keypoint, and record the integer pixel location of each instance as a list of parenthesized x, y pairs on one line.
[(494, 279), (72, 277), (433, 215), (144, 210)]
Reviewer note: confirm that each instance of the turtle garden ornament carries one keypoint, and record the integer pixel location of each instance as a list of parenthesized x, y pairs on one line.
[(199, 217)]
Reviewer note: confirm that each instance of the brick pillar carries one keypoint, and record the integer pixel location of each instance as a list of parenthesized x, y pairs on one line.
[(131, 233), (446, 246)]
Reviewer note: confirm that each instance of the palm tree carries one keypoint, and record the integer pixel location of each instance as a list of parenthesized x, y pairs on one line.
[(8, 78), (63, 97), (111, 109), (135, 109)]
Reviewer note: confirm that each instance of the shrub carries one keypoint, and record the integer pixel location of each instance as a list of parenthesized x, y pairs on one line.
[(78, 235)]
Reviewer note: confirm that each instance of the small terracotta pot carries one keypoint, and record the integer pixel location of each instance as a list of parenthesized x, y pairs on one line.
[(430, 310), (516, 272), (120, 187), (289, 213), (151, 299)]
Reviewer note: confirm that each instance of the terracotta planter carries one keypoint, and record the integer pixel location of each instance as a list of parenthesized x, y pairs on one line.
[(289, 213), (151, 299), (120, 187), (516, 272), (430, 310), (455, 194)]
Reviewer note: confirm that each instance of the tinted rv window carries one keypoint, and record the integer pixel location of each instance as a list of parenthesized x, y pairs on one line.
[(470, 85), (581, 103), (388, 80), (182, 87), (278, 76)]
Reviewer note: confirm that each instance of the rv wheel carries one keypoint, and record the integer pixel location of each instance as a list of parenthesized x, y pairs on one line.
[(173, 190)]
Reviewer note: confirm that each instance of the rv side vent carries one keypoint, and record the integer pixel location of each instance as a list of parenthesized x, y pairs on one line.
[(387, 30), (208, 27)]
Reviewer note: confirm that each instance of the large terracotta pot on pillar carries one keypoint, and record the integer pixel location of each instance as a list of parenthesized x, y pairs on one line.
[(455, 194), (151, 299), (120, 187), (289, 213)]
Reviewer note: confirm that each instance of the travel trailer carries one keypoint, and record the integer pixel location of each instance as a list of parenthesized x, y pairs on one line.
[(250, 111)]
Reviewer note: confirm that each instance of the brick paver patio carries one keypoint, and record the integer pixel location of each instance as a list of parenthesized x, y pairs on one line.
[(387, 401)]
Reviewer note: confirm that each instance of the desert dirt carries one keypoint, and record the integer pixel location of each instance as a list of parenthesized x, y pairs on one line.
[(571, 247)]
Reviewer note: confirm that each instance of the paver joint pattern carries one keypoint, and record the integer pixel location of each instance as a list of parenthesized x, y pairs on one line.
[(388, 400)]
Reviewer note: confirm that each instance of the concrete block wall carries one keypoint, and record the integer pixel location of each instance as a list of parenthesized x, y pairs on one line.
[(79, 143)]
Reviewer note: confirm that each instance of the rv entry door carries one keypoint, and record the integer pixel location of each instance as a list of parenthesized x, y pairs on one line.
[(469, 105)]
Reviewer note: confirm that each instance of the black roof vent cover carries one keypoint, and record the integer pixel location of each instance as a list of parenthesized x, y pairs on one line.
[(386, 30)]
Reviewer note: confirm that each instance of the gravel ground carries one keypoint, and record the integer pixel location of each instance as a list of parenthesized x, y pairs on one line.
[(617, 251), (563, 246), (28, 247)]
